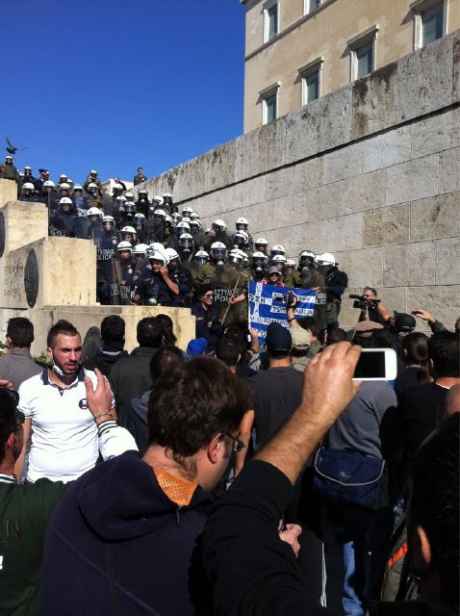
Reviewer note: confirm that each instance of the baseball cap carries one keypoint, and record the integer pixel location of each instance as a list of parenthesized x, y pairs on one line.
[(196, 347), (279, 339)]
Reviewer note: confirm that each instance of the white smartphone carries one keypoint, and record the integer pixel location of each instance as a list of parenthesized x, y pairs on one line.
[(377, 365)]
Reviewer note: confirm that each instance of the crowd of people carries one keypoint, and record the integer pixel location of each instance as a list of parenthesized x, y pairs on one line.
[(230, 480), (150, 253), (233, 477)]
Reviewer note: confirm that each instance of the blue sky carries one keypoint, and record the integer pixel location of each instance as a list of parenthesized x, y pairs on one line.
[(111, 85)]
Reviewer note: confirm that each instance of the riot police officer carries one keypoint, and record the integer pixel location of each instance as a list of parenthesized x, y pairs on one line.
[(156, 287), (123, 275), (106, 245), (181, 276), (335, 284), (259, 265), (64, 220), (142, 203), (261, 245)]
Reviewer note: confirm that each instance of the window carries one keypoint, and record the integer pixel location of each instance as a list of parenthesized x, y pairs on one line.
[(310, 77), (271, 20), (362, 50), (430, 21), (270, 108), (312, 5), (432, 24), (364, 60)]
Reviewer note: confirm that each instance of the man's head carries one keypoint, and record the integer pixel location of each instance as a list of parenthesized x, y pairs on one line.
[(113, 332), (19, 333), (206, 295), (149, 332), (11, 420), (278, 341), (369, 293), (434, 529), (445, 354), (64, 348), (229, 352), (195, 415)]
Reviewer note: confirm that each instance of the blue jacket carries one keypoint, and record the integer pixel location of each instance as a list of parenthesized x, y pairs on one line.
[(117, 545)]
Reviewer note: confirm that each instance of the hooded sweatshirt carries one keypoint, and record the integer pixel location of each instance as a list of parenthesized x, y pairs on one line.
[(118, 545)]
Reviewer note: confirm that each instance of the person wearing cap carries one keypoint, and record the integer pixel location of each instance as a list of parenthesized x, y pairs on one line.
[(156, 286), (336, 282), (28, 193), (64, 221), (182, 277)]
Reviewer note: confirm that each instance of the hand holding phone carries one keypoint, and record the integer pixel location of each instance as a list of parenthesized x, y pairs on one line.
[(376, 365)]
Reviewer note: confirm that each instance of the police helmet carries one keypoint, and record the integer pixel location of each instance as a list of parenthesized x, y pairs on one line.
[(124, 247), (242, 224), (278, 250), (140, 249), (108, 220), (195, 216), (160, 213), (306, 257), (28, 186), (279, 260), (325, 259), (63, 177), (64, 186), (171, 254), (187, 210), (219, 224), (183, 225), (78, 187), (218, 251), (8, 158), (168, 219), (65, 201), (139, 217), (121, 198), (117, 187), (142, 193), (27, 168), (186, 241), (93, 172), (92, 186), (129, 196), (241, 237), (291, 263), (156, 255), (158, 199), (201, 257), (94, 211), (235, 256), (129, 229)]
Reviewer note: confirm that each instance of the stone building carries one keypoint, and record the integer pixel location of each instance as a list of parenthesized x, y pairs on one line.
[(300, 50)]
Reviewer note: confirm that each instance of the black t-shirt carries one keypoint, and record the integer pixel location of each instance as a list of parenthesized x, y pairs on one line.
[(277, 393), (422, 408)]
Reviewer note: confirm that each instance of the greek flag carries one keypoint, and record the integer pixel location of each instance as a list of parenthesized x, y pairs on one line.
[(268, 303)]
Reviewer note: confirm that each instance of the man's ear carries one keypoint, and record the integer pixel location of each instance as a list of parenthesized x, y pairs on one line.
[(215, 449), (49, 352), (8, 342), (11, 440)]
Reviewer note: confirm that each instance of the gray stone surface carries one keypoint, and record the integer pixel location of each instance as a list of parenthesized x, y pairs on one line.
[(436, 217), (388, 225), (442, 301), (448, 261), (370, 173)]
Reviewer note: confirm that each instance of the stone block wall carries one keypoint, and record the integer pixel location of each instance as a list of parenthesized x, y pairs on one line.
[(370, 173)]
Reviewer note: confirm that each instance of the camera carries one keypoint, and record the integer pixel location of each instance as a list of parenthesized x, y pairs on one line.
[(362, 303)]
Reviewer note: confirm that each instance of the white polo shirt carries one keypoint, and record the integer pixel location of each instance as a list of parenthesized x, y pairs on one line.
[(64, 441)]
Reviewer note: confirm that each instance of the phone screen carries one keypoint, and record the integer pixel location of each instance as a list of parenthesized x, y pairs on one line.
[(371, 365)]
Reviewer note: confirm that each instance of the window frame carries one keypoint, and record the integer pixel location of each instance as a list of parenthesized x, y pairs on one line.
[(365, 39), (419, 8), (268, 5), (306, 71), (307, 6), (264, 95)]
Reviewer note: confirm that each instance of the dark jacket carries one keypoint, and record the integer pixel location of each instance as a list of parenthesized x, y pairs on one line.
[(24, 514), (117, 545), (105, 360), (130, 378), (140, 407), (252, 572)]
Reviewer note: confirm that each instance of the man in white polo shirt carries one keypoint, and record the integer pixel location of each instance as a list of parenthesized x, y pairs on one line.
[(60, 429)]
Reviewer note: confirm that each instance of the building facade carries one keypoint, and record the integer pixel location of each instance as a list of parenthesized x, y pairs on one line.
[(300, 50)]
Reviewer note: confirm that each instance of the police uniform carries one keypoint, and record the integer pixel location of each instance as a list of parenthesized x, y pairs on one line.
[(106, 244)]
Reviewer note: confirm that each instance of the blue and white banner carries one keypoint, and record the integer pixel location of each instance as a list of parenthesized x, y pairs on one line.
[(268, 304)]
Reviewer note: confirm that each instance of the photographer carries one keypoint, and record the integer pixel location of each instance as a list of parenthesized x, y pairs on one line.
[(372, 308)]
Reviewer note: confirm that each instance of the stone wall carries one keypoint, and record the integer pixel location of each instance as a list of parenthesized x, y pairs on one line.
[(370, 172)]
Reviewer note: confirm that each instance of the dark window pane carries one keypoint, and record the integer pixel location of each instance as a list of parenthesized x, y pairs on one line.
[(365, 61), (433, 25), (312, 87), (272, 21), (270, 108)]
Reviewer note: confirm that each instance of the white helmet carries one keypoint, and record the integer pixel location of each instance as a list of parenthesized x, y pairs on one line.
[(243, 235), (93, 172), (195, 216), (259, 255), (186, 219), (140, 216), (186, 236), (159, 212), (108, 218), (129, 196), (169, 219), (121, 198), (242, 221), (124, 246), (220, 223), (140, 249), (158, 199), (218, 246), (279, 259), (157, 246), (183, 225), (171, 254), (49, 184), (167, 195), (65, 201), (325, 259), (94, 211), (291, 262), (187, 210), (63, 177), (77, 187), (92, 185), (201, 254), (28, 186), (307, 253), (64, 186), (8, 157), (279, 248), (28, 167), (261, 241), (128, 229), (156, 255)]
